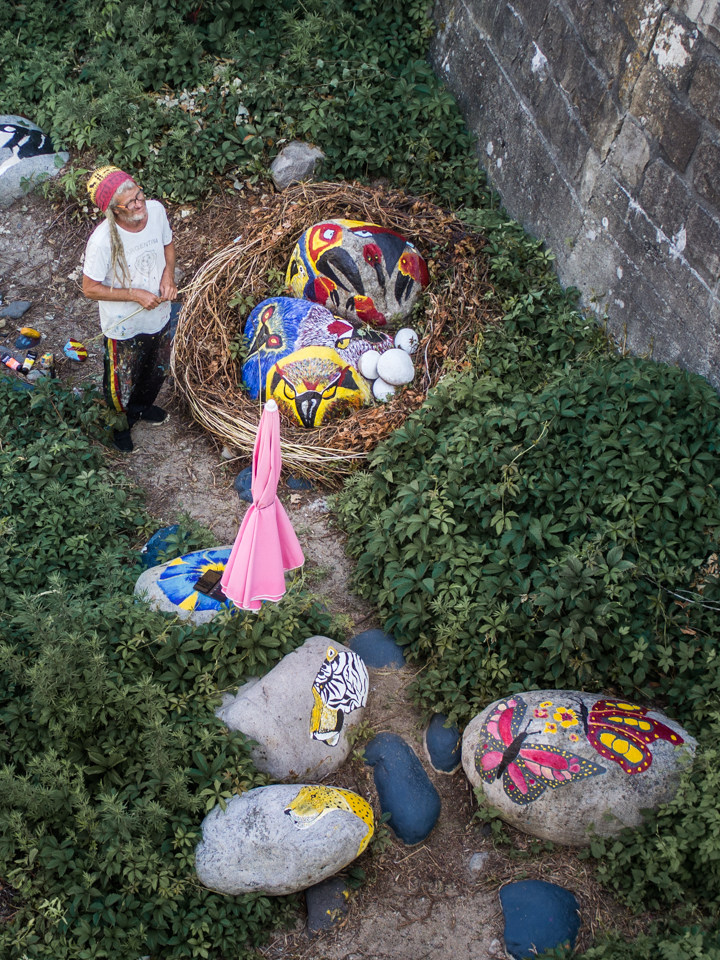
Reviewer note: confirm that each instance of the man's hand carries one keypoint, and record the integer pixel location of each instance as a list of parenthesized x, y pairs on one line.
[(146, 299), (168, 289)]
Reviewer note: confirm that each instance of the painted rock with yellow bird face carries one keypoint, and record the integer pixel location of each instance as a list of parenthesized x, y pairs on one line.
[(560, 764), (358, 270), (314, 384), (282, 325)]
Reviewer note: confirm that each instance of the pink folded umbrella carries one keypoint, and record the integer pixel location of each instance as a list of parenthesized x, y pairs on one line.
[(266, 545)]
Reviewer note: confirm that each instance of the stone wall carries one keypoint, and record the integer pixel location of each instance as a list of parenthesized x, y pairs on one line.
[(599, 124)]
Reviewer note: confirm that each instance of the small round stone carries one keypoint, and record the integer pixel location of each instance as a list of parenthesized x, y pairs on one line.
[(383, 390), (396, 367), (478, 862), (369, 364), (407, 340)]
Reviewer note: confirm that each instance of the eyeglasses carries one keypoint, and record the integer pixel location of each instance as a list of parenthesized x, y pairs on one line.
[(136, 201)]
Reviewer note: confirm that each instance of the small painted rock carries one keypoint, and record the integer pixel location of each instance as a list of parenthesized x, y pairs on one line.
[(314, 384), (22, 342), (377, 649), (13, 311), (30, 333), (396, 367), (327, 904), (157, 544), (555, 762), (172, 586), (281, 839), (539, 916), (301, 713), (299, 483), (74, 350), (407, 340), (404, 789), (369, 364), (383, 391), (443, 745), (243, 485), (283, 325), (359, 270)]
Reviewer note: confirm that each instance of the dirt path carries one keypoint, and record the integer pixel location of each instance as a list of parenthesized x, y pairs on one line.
[(417, 902)]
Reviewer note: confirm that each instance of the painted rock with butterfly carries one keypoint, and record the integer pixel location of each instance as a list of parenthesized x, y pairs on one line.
[(561, 765)]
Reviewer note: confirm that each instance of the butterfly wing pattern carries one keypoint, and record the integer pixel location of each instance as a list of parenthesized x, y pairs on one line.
[(526, 770), (622, 732)]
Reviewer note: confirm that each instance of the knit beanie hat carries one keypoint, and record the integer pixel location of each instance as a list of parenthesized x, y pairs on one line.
[(103, 183)]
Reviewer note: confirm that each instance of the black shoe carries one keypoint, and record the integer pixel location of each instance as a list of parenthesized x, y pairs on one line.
[(122, 441), (154, 415)]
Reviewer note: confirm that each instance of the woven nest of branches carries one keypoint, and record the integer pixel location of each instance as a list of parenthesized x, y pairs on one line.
[(456, 307)]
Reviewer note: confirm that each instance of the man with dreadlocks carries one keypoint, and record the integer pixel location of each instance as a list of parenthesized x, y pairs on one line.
[(130, 269)]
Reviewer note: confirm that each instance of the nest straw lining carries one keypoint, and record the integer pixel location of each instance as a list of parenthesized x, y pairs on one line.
[(457, 305)]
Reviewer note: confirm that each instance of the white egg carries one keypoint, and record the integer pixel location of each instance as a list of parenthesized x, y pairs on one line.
[(407, 340), (395, 367), (383, 390), (368, 364)]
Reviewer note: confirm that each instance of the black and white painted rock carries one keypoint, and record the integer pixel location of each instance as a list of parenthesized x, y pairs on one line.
[(377, 649), (403, 787), (171, 587), (539, 916), (560, 764), (443, 745), (281, 839), (301, 712), (327, 904), (26, 153), (295, 162)]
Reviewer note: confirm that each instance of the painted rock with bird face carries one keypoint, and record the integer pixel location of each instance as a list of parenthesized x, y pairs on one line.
[(358, 270), (278, 327)]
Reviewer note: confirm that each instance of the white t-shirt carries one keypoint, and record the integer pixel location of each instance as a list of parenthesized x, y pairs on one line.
[(145, 255)]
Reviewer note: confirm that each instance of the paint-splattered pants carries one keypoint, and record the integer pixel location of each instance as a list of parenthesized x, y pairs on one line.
[(135, 369)]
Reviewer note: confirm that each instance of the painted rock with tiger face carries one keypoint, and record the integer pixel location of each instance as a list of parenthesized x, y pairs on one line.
[(358, 270), (556, 762), (301, 713)]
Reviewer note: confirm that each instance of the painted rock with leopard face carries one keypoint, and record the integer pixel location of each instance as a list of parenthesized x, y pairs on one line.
[(281, 839), (301, 712), (561, 765)]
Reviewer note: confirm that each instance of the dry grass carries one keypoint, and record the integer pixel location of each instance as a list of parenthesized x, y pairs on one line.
[(459, 303)]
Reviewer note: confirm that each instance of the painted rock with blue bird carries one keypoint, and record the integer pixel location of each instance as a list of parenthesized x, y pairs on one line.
[(358, 270)]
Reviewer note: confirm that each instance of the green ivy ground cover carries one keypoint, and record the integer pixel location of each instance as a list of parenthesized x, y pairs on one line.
[(180, 91), (110, 754)]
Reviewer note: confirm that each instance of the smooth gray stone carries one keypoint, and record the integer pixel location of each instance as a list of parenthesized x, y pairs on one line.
[(15, 310), (294, 163), (275, 712), (555, 784), (24, 160), (254, 846)]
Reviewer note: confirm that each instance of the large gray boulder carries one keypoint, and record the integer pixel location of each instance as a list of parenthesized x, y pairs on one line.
[(560, 765), (308, 688), (281, 839), (26, 153), (294, 163), (171, 586)]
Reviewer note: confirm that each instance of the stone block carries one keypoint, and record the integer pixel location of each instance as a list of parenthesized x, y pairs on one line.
[(674, 51), (665, 198), (704, 13), (641, 21), (702, 247), (508, 32), (533, 14), (630, 152), (706, 171), (554, 117), (603, 32), (705, 90), (676, 127)]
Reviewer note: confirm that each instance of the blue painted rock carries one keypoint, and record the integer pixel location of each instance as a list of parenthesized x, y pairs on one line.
[(26, 154), (358, 270), (172, 586), (299, 483), (157, 543), (539, 916), (281, 839), (13, 311), (283, 325), (558, 763), (22, 342), (443, 745), (243, 484), (378, 649), (314, 384), (327, 904), (404, 789)]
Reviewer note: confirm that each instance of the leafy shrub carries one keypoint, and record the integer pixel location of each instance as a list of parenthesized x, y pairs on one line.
[(537, 520), (689, 943), (181, 92), (110, 753)]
